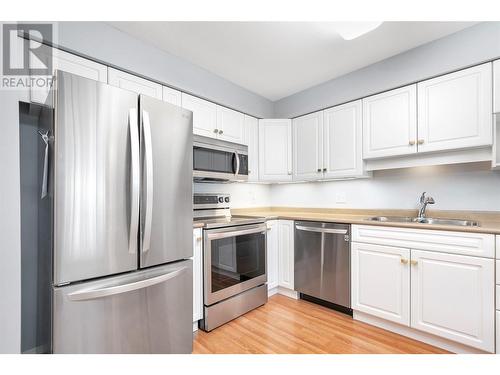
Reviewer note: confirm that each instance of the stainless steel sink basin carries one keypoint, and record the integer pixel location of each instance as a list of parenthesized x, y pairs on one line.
[(428, 220)]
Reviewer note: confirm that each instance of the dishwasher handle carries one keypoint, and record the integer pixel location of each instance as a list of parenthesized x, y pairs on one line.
[(321, 230)]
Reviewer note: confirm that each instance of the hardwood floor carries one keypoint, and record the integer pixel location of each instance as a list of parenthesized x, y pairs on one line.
[(285, 325)]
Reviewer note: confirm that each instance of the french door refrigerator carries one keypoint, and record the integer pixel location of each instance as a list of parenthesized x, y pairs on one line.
[(122, 189)]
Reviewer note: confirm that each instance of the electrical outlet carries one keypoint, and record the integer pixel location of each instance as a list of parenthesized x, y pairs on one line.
[(340, 198)]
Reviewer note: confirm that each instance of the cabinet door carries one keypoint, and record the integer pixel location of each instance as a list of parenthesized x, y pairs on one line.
[(204, 115), (230, 125), (308, 147), (454, 110), (252, 140), (390, 123), (452, 296), (171, 96), (197, 275), (496, 86), (134, 83), (286, 253), (272, 254), (342, 140), (380, 281), (66, 62), (275, 150)]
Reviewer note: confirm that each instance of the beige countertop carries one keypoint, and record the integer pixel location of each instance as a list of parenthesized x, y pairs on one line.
[(489, 222)]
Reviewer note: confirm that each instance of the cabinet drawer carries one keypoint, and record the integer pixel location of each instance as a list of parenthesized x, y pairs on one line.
[(475, 244)]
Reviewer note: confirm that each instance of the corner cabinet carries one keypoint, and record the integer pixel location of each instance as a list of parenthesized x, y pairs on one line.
[(272, 247), (252, 140), (286, 254), (134, 83), (275, 150), (455, 110)]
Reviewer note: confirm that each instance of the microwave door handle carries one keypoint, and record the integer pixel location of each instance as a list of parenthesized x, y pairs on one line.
[(237, 157), (134, 180), (148, 157)]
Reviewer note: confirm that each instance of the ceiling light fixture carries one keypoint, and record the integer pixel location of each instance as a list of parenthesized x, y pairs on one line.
[(353, 30)]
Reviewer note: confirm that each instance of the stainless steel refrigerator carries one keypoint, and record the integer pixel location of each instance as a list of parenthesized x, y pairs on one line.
[(121, 176)]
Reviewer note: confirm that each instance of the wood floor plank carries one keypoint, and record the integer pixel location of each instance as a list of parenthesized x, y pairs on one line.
[(288, 326)]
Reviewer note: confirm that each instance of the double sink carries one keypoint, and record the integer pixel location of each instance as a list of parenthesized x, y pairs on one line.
[(424, 220)]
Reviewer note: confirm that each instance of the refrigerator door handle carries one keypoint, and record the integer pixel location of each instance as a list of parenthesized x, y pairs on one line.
[(84, 295), (45, 138), (148, 156), (134, 180)]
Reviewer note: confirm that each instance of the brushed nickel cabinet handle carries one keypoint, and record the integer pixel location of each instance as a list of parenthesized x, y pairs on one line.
[(221, 131), (324, 169), (216, 131), (319, 169), (420, 141), (411, 143)]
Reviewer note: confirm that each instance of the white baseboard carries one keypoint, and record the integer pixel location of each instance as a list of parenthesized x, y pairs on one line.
[(195, 326), (415, 334), (288, 292), (272, 291)]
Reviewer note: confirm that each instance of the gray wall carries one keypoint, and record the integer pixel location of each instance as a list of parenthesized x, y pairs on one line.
[(467, 47), (103, 42)]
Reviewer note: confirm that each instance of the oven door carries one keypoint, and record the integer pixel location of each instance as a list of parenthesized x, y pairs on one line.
[(234, 261), (218, 164)]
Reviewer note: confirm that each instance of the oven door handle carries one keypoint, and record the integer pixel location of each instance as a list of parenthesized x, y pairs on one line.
[(234, 233)]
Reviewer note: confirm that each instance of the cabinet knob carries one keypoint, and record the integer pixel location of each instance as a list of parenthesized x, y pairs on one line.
[(289, 172), (221, 131), (216, 131), (413, 262), (319, 169), (404, 261), (324, 169), (420, 141), (411, 143)]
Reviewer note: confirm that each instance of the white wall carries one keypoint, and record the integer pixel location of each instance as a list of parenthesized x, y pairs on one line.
[(242, 195), (459, 187)]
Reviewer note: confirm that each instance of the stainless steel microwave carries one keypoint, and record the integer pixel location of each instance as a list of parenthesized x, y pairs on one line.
[(215, 160)]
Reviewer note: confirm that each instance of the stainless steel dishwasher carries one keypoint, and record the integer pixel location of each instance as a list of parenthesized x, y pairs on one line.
[(323, 263)]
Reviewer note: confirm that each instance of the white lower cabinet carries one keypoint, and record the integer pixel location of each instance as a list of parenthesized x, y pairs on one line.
[(197, 275), (381, 281), (272, 254), (498, 332), (448, 295), (286, 253), (452, 297)]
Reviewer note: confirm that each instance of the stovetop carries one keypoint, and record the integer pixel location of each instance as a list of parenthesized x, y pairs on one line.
[(228, 221)]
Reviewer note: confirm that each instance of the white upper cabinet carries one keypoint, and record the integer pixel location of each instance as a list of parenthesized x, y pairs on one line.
[(275, 150), (390, 123), (342, 141), (230, 125), (172, 96), (204, 115), (452, 296), (308, 147), (134, 83), (455, 110), (496, 86), (381, 281), (252, 140), (66, 62)]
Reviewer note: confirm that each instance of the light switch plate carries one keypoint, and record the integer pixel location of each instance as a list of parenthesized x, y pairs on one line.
[(340, 198)]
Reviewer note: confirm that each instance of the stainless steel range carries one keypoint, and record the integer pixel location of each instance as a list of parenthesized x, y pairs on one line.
[(234, 260)]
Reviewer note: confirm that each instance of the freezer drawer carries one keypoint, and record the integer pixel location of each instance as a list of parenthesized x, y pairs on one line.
[(141, 312)]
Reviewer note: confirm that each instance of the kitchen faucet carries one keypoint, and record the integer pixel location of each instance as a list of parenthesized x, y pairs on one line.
[(424, 201)]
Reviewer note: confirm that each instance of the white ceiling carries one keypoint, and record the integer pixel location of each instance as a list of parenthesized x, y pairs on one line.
[(278, 59)]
